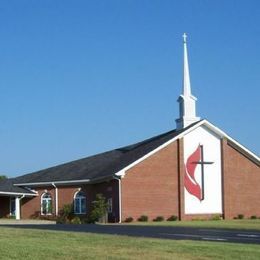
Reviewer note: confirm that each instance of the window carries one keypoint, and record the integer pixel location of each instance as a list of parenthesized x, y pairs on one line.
[(109, 205), (80, 203), (46, 204), (12, 206)]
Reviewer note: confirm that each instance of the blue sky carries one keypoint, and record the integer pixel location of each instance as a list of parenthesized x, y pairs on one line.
[(82, 77)]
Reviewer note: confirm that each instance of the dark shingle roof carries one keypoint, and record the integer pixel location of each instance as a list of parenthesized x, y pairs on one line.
[(6, 185), (103, 165)]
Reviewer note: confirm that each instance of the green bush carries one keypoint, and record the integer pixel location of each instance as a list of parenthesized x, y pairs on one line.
[(99, 209), (60, 220), (198, 219), (216, 217), (129, 219), (66, 214), (240, 216), (172, 218), (76, 220), (253, 217), (143, 218), (158, 219)]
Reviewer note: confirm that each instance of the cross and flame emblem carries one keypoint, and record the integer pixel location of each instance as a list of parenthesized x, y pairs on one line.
[(190, 183)]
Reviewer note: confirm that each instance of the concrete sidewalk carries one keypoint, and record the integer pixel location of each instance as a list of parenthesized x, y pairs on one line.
[(5, 221)]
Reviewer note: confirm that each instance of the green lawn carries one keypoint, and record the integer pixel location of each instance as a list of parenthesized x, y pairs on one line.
[(230, 224), (18, 243)]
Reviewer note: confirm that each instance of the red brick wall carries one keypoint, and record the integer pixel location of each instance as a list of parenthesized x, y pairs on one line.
[(241, 184), (31, 207), (109, 190), (151, 187)]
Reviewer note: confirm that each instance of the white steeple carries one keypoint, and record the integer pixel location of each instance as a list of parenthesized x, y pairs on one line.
[(187, 102)]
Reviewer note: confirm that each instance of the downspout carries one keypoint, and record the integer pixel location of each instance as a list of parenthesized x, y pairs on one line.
[(56, 200), (119, 199)]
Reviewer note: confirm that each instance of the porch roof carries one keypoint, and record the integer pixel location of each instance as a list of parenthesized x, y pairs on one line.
[(7, 188)]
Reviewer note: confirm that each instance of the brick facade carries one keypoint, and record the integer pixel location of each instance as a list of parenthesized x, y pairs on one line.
[(241, 183), (31, 207), (154, 187), (151, 187)]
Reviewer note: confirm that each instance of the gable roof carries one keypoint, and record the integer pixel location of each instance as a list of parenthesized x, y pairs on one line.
[(115, 162), (100, 166)]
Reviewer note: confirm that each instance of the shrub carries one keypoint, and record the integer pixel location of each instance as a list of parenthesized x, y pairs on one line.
[(172, 218), (253, 217), (66, 211), (129, 219), (143, 218), (216, 217), (198, 219), (75, 220), (60, 220), (159, 218), (240, 216), (99, 209)]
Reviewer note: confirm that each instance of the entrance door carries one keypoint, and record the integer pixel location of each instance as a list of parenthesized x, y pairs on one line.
[(12, 206)]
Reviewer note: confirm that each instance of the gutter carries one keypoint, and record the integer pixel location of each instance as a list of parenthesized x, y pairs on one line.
[(56, 199), (51, 183), (17, 193)]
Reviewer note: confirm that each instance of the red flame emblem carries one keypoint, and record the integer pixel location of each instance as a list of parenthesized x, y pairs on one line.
[(190, 183)]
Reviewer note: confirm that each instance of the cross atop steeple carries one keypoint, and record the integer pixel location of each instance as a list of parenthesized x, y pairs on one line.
[(186, 100), (184, 37)]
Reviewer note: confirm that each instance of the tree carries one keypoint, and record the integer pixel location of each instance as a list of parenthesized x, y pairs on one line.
[(99, 209), (3, 177)]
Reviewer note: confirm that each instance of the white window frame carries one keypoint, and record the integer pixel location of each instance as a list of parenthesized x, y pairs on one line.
[(80, 198), (110, 205), (47, 199)]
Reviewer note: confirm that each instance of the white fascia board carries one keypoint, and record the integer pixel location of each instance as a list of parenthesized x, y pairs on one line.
[(213, 128), (123, 171), (17, 193), (223, 134), (51, 183)]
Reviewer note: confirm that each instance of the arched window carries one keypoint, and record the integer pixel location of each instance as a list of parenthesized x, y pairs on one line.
[(80, 203), (46, 204)]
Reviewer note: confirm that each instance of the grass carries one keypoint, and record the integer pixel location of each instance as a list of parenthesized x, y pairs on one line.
[(247, 224), (38, 244)]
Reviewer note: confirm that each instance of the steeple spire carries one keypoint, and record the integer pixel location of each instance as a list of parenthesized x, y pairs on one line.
[(186, 73), (187, 102)]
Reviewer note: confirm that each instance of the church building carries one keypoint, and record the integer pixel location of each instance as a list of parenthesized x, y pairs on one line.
[(193, 171)]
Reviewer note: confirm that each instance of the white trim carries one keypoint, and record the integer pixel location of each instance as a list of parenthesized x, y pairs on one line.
[(221, 133), (17, 193), (123, 171), (213, 128), (44, 193), (50, 183)]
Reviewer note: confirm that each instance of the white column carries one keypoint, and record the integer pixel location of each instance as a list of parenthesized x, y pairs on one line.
[(56, 201), (17, 208)]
